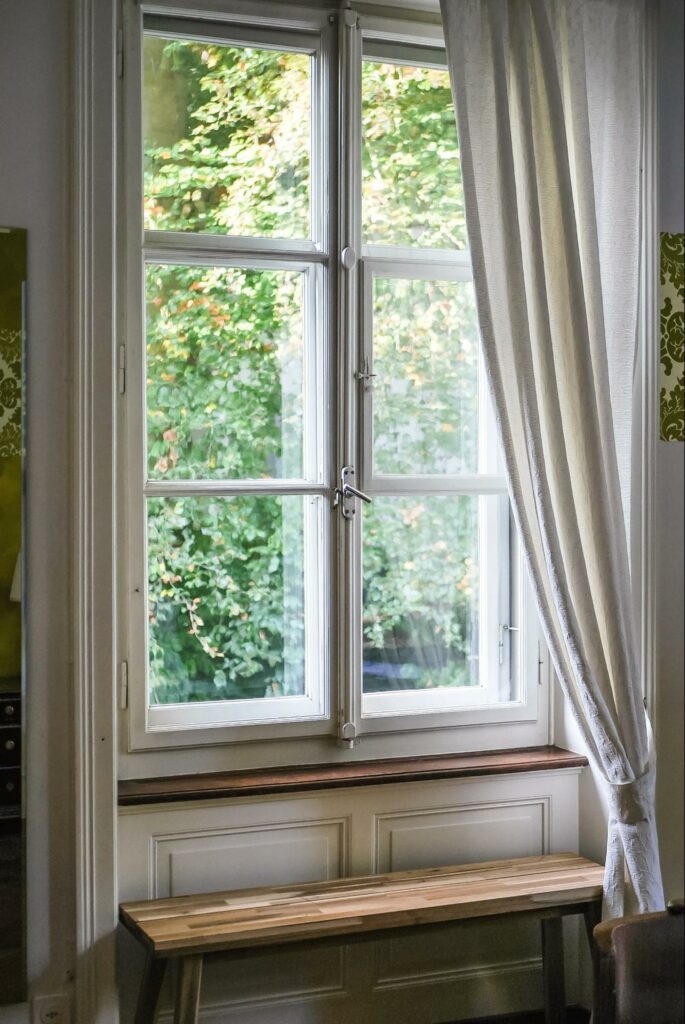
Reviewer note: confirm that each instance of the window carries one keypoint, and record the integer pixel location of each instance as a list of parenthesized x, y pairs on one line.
[(318, 529)]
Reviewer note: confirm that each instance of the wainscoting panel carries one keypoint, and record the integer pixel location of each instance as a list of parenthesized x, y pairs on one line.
[(432, 838), (461, 971), (241, 857)]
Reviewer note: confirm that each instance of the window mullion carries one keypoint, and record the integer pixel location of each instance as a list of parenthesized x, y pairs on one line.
[(348, 442)]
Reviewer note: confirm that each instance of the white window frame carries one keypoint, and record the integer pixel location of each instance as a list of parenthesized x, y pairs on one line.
[(151, 723), (429, 265), (334, 707)]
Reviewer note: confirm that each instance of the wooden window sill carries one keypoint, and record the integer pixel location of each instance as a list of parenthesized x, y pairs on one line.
[(304, 778)]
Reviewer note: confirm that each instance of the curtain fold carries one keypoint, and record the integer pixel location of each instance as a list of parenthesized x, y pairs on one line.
[(549, 109)]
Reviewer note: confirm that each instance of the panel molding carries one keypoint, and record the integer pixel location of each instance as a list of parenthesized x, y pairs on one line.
[(92, 538), (460, 974), (160, 882), (544, 802)]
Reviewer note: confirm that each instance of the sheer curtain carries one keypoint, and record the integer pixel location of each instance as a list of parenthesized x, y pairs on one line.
[(548, 94)]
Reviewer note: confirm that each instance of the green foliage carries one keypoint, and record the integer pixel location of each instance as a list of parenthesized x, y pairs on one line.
[(412, 191), (425, 398), (224, 373), (226, 606), (227, 150), (226, 139), (420, 592)]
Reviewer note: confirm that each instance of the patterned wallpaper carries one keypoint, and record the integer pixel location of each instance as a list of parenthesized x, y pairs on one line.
[(12, 279), (672, 405)]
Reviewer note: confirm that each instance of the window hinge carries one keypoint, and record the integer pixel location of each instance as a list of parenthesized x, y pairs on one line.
[(123, 685), (122, 369), (120, 53)]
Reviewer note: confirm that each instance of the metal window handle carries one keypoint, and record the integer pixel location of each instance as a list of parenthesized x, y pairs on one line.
[(504, 628), (345, 494), (348, 489)]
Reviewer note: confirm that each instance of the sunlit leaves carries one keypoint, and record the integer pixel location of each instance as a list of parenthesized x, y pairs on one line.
[(227, 139), (412, 191), (224, 372)]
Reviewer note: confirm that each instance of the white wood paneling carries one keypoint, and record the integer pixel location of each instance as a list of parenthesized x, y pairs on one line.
[(425, 838), (461, 971), (235, 858)]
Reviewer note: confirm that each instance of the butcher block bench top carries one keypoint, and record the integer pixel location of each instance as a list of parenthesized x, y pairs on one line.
[(352, 906)]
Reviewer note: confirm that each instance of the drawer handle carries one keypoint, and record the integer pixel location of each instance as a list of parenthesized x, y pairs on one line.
[(9, 709), (10, 745), (9, 788)]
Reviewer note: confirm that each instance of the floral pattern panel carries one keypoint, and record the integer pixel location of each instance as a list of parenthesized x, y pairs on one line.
[(12, 833), (672, 406), (12, 281)]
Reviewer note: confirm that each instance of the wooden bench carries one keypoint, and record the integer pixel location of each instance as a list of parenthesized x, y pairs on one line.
[(249, 921)]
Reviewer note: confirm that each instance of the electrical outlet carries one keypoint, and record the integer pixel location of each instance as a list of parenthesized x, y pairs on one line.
[(52, 1009)]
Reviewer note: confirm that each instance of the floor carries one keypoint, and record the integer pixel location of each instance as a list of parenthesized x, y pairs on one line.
[(574, 1015)]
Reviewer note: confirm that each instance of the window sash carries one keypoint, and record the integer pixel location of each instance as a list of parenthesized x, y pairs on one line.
[(307, 256), (311, 43), (313, 703)]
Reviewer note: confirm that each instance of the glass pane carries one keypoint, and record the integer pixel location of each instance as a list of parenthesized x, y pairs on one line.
[(225, 373), (226, 590), (421, 593), (227, 133), (412, 190), (425, 392)]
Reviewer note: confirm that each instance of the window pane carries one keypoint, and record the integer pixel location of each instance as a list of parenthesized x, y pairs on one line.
[(412, 191), (225, 373), (226, 590), (227, 138), (425, 392), (421, 593)]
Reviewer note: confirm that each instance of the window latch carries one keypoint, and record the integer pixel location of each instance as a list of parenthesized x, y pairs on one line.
[(504, 628), (365, 375), (347, 494)]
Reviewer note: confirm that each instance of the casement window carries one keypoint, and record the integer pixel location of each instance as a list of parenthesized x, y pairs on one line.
[(319, 536)]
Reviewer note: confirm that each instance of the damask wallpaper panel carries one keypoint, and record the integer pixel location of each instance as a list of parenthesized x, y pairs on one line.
[(12, 832), (12, 281), (672, 397)]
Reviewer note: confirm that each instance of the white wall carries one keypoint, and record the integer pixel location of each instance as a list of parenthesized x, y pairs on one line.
[(33, 194), (670, 512)]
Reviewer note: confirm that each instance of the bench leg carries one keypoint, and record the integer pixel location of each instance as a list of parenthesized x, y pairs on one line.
[(553, 970), (150, 986), (188, 989)]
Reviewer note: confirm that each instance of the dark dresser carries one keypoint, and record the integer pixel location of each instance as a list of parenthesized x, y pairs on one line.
[(12, 901)]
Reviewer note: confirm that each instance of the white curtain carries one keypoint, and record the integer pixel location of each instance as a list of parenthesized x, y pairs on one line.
[(549, 109)]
